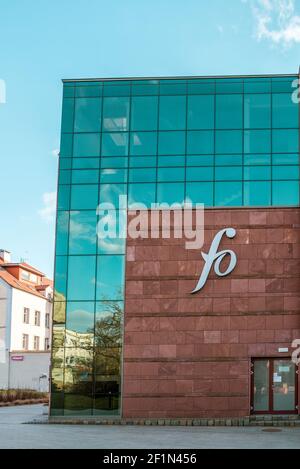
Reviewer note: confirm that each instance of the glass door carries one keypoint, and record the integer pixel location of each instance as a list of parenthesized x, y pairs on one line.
[(284, 386), (274, 386)]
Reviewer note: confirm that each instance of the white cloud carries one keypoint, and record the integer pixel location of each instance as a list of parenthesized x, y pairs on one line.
[(276, 21), (55, 152), (47, 213)]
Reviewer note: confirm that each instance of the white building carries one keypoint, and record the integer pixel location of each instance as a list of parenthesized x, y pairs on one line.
[(25, 325)]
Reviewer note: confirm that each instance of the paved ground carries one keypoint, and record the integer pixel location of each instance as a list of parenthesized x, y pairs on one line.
[(13, 434)]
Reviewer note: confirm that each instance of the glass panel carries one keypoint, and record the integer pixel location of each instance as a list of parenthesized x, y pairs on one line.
[(224, 173), (63, 198), (170, 193), (229, 111), (285, 193), (257, 141), (171, 143), (69, 92), (110, 277), (144, 111), (81, 278), (171, 161), (86, 163), (115, 144), (84, 196), (228, 194), (59, 318), (285, 172), (80, 318), (227, 86), (261, 385), (200, 142), (201, 112), (141, 162), (67, 115), (285, 111), (82, 239), (229, 141), (116, 90), (62, 230), (172, 112), (257, 87), (258, 111), (87, 115), (142, 175), (143, 143), (86, 145), (66, 145), (116, 162), (284, 386), (116, 114), (114, 223), (78, 404), (60, 278), (286, 158), (85, 176), (229, 160), (257, 193), (201, 88), (64, 177), (199, 160), (255, 173), (89, 91), (200, 174), (111, 193), (170, 174), (199, 193), (257, 159), (285, 141), (111, 175), (141, 193)]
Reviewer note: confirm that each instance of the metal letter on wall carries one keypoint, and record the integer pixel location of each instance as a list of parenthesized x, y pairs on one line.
[(215, 257)]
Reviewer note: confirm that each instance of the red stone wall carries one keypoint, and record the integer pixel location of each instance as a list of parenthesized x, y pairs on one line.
[(189, 355)]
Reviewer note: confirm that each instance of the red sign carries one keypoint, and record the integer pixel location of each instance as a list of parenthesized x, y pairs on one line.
[(17, 358)]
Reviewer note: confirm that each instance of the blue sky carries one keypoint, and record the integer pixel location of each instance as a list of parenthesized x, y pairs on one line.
[(42, 42)]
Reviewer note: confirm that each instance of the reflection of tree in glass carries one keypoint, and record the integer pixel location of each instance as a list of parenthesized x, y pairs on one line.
[(108, 340)]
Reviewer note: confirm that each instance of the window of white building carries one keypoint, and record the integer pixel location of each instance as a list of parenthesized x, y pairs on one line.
[(37, 318), (25, 342), (26, 315), (47, 320), (36, 343)]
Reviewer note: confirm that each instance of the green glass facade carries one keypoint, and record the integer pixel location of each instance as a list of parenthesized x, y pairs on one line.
[(224, 142)]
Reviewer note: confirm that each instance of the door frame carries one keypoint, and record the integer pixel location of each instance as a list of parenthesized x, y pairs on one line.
[(271, 371)]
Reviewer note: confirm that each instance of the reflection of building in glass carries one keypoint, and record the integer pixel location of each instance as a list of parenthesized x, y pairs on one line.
[(229, 143)]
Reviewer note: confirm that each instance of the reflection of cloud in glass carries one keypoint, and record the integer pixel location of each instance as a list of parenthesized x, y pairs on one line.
[(136, 140), (82, 232), (80, 317)]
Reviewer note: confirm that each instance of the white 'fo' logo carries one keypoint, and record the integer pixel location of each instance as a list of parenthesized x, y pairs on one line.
[(215, 257)]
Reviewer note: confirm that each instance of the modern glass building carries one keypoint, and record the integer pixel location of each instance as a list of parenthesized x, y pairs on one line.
[(231, 143)]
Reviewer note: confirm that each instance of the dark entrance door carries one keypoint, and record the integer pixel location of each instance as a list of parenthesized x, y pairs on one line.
[(274, 386)]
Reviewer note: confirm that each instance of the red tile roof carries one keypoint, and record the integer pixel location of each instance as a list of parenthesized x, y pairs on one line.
[(18, 284), (22, 265)]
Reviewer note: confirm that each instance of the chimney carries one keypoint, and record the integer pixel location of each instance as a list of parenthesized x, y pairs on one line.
[(5, 255)]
